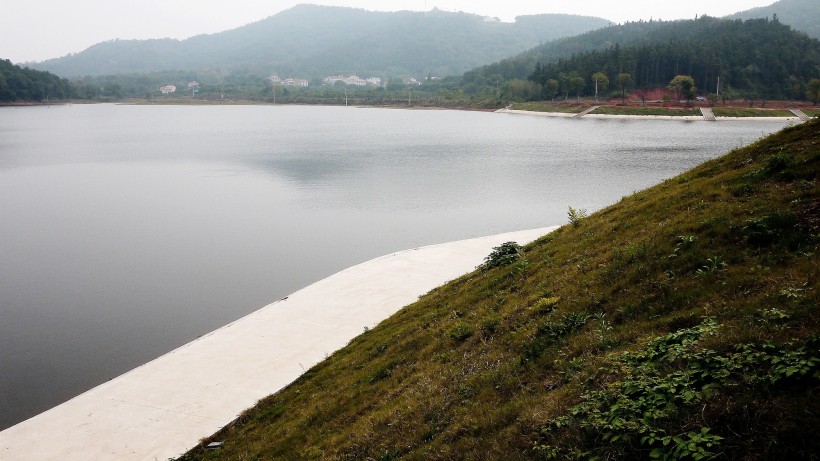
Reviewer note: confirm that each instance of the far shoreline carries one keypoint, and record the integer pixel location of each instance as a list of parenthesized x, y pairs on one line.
[(683, 118), (507, 110)]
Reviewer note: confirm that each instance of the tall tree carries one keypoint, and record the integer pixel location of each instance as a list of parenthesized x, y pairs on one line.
[(813, 91), (683, 86), (624, 81), (577, 83), (551, 88), (601, 82)]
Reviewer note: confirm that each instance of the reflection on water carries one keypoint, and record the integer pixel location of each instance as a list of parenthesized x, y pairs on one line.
[(126, 231)]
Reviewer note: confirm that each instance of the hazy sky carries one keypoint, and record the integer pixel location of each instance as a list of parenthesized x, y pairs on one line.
[(34, 30)]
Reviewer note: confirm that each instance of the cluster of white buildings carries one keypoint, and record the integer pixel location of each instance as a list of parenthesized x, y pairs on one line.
[(353, 80), (168, 89), (275, 80)]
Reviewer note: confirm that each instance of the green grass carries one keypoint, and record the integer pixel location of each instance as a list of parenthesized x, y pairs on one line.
[(549, 107), (811, 112), (749, 112), (617, 110), (679, 323)]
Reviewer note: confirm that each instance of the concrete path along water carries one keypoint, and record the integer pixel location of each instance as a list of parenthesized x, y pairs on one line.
[(163, 408)]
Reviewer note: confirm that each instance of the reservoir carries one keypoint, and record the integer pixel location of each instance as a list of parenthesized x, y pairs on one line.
[(127, 231)]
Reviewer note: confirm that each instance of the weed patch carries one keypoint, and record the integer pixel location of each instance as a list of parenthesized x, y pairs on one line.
[(671, 376)]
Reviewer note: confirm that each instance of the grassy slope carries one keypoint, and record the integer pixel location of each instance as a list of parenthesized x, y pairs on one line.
[(525, 361), (740, 112), (550, 107), (609, 110)]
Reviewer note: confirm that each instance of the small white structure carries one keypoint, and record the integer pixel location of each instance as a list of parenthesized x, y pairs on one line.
[(354, 80), (275, 80), (332, 79), (193, 85), (168, 89)]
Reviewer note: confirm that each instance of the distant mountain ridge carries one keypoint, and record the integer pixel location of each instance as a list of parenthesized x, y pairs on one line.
[(801, 15), (310, 41)]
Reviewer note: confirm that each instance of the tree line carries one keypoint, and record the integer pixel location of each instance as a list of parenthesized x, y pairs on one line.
[(23, 84)]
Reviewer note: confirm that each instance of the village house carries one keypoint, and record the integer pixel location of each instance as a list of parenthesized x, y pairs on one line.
[(167, 89)]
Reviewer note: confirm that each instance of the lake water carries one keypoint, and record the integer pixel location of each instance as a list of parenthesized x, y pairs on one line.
[(126, 231)]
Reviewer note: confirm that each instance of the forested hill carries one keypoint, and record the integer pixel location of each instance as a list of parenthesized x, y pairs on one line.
[(802, 15), (761, 58), (631, 33), (310, 41), (21, 84)]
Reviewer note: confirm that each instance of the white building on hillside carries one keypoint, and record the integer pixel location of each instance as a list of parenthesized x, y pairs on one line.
[(167, 89), (354, 80), (275, 80)]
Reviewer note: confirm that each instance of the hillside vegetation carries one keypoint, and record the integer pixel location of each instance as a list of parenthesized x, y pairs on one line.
[(760, 57), (701, 48), (679, 323), (21, 84), (310, 41)]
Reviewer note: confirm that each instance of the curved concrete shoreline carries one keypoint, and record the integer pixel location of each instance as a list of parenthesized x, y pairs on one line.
[(645, 117), (163, 408)]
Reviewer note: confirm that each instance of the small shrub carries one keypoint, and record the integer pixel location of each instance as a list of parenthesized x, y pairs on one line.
[(489, 326), (550, 332), (766, 230), (546, 305), (503, 255), (575, 216), (778, 163), (742, 190), (460, 332)]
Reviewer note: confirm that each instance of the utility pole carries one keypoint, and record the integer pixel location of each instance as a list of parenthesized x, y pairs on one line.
[(596, 90), (718, 85)]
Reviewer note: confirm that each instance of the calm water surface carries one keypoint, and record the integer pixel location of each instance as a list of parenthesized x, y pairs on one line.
[(126, 231)]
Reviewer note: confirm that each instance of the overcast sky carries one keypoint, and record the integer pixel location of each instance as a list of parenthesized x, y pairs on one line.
[(34, 30)]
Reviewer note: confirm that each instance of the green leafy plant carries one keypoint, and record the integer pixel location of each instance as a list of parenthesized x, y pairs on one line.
[(672, 374), (684, 242), (550, 332), (713, 265), (576, 215), (503, 255)]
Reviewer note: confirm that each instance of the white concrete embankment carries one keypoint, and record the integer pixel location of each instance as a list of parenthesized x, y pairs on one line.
[(161, 409), (593, 115)]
